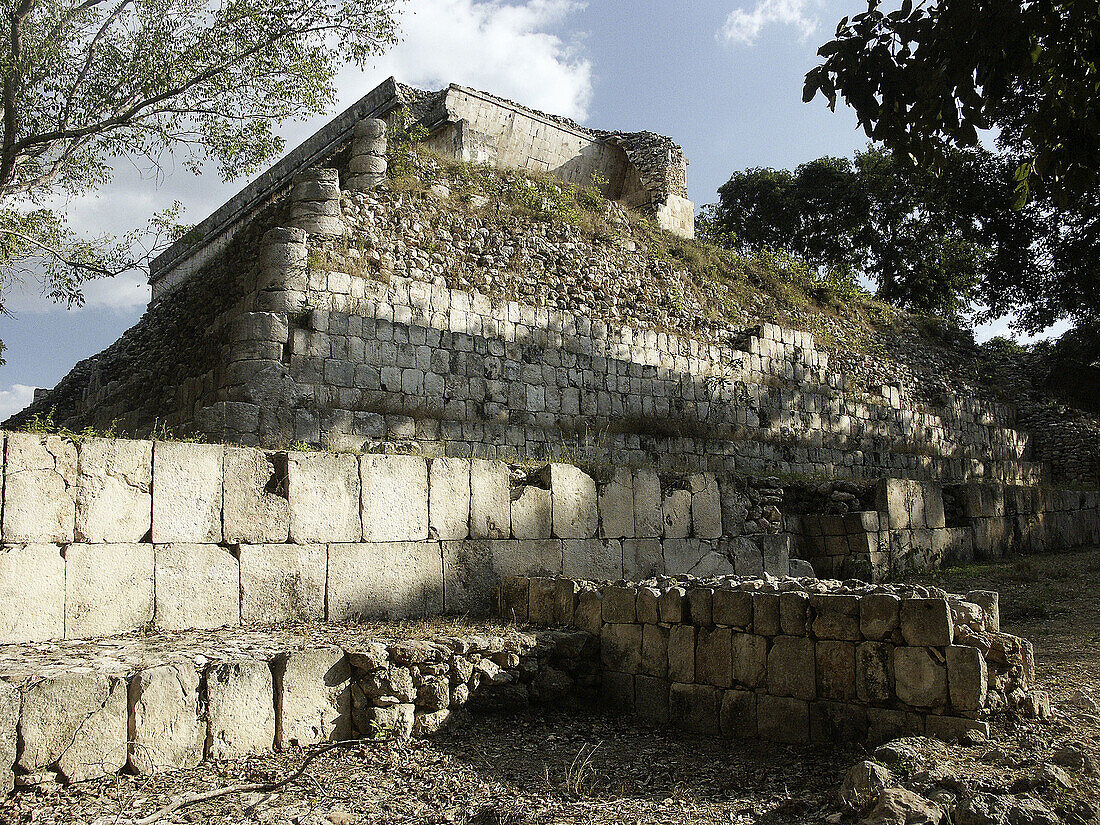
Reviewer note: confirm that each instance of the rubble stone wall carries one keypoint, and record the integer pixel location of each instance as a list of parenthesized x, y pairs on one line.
[(154, 703), (791, 661)]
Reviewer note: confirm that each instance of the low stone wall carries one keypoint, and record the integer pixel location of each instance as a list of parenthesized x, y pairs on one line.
[(921, 526), (790, 661), (107, 535), (153, 703)]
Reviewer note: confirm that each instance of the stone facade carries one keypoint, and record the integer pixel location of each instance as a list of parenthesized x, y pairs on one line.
[(795, 661)]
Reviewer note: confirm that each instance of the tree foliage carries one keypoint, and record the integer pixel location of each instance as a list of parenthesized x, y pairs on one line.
[(85, 83), (930, 76), (929, 242)]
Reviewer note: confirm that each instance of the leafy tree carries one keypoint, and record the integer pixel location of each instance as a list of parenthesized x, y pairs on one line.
[(929, 76), (929, 242), (85, 83)]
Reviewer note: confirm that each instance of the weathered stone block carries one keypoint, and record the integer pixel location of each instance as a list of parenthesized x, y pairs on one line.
[(187, 492), (513, 597), (167, 730), (32, 593), (793, 609), (874, 672), (835, 722), (10, 702), (695, 708), (836, 670), (884, 724), (953, 728), (392, 720), (714, 657), (449, 498), (467, 576), (620, 604), (901, 502), (114, 502), (681, 653), (642, 559), (990, 603), (565, 601), (593, 558), (574, 502), (648, 511), (878, 615), (651, 699), (108, 588), (615, 500), (646, 605), (697, 557), (240, 708), (541, 557), (621, 647), (732, 608), (750, 659), (701, 606), (919, 678), (489, 500), (75, 724), (541, 601), (791, 668), (256, 509), (39, 489), (324, 498), (836, 616), (765, 614), (706, 507), (312, 697), (737, 716), (395, 498), (283, 583), (391, 579), (967, 678), (654, 650), (587, 615), (676, 514), (197, 586), (780, 719), (532, 513), (927, 622), (672, 605)]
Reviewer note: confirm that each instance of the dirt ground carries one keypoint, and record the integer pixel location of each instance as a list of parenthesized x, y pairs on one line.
[(560, 767)]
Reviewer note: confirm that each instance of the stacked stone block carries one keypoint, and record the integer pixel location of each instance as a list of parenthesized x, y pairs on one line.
[(166, 702), (912, 530), (789, 663), (107, 536)]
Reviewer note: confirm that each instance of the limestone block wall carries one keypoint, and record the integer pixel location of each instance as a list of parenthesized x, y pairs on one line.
[(466, 374), (108, 536), (912, 529), (791, 661), (152, 703)]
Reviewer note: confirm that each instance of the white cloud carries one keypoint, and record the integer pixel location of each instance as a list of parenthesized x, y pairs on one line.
[(745, 26), (509, 49), (14, 399), (1003, 327)]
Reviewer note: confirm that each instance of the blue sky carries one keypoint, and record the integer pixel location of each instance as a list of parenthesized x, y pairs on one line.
[(722, 77)]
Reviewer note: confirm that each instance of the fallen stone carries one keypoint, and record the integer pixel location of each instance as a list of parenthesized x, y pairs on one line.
[(9, 720), (898, 806), (863, 782)]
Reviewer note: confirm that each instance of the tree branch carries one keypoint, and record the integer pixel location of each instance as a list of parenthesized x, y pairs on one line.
[(61, 258)]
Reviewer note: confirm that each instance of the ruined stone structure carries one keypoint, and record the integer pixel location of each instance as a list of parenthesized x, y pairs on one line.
[(790, 662)]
